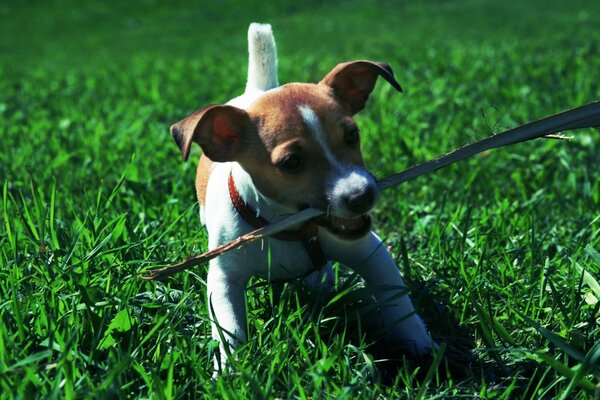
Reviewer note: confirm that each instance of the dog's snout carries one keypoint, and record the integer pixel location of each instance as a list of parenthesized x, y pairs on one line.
[(360, 201), (353, 194)]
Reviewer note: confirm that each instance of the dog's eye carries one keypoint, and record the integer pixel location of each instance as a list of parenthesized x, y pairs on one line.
[(351, 136), (290, 163)]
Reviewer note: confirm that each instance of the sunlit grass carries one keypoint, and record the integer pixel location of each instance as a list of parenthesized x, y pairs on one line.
[(501, 251)]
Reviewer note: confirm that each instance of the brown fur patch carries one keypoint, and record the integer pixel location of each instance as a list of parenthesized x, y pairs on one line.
[(283, 131), (202, 175), (279, 130)]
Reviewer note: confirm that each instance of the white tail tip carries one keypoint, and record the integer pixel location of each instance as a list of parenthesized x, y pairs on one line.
[(262, 63)]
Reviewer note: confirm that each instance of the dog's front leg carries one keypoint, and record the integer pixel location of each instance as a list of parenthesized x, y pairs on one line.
[(226, 309), (369, 258)]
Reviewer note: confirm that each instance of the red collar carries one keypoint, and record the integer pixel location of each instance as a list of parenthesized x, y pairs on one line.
[(307, 234)]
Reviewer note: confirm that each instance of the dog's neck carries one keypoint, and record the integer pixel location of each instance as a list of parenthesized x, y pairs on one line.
[(263, 206)]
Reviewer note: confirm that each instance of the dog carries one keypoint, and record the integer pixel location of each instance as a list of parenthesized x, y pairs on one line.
[(273, 151)]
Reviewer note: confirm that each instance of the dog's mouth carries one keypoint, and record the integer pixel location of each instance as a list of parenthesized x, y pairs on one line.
[(346, 228)]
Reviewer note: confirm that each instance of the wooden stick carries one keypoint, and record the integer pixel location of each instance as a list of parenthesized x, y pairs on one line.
[(250, 237), (587, 116)]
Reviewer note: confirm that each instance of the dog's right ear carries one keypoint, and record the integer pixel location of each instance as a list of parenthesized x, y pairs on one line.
[(353, 82), (218, 129)]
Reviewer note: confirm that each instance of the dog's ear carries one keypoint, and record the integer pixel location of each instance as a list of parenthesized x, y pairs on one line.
[(353, 82), (218, 129)]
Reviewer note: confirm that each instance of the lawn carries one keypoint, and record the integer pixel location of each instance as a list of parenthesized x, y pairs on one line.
[(501, 251)]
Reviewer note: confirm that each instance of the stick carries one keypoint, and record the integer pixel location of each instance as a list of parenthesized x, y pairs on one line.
[(587, 116), (250, 237)]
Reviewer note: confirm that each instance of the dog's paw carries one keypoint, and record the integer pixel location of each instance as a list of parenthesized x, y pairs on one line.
[(418, 347), (322, 280)]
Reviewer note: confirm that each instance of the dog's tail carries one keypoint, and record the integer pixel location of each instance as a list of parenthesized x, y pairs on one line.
[(262, 63)]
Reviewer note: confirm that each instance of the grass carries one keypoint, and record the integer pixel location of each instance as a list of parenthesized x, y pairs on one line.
[(502, 252)]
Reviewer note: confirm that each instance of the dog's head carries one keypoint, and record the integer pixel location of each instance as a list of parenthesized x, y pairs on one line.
[(299, 143)]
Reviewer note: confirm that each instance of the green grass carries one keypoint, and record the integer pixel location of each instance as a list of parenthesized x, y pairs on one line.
[(502, 251)]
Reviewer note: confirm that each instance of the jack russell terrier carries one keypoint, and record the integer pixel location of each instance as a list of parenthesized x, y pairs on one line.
[(278, 149)]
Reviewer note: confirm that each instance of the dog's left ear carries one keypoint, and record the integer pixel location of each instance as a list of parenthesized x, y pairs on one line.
[(353, 82)]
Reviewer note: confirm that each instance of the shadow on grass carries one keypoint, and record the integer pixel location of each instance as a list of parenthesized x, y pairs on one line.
[(349, 311)]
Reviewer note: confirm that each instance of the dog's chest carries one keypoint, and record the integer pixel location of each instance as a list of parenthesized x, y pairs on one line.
[(272, 259)]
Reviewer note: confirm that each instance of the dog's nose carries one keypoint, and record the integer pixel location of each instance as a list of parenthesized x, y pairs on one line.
[(360, 202)]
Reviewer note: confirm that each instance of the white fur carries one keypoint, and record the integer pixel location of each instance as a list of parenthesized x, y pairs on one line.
[(311, 119), (262, 58), (352, 181), (262, 65), (273, 259)]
